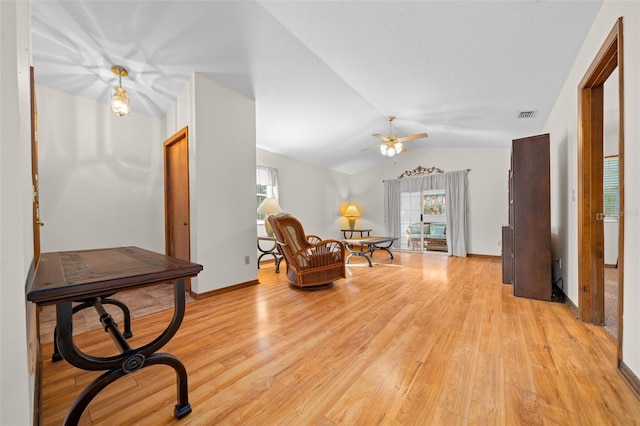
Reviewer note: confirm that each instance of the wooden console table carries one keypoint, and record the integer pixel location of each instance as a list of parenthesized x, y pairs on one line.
[(91, 275)]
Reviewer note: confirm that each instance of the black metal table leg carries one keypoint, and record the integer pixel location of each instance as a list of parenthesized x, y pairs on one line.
[(130, 359), (273, 251), (105, 300), (362, 252), (385, 248)]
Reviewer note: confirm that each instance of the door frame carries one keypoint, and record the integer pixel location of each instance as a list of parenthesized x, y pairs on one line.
[(36, 222), (590, 181), (180, 136)]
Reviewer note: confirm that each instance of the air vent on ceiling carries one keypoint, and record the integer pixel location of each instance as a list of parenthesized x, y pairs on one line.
[(527, 114)]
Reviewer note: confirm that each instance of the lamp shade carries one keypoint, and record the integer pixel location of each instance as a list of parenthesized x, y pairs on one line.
[(269, 206), (351, 211), (120, 101)]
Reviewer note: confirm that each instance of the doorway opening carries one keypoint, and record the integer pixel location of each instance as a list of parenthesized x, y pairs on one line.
[(591, 161)]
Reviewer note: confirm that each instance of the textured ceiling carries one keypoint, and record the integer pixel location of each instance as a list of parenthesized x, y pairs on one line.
[(325, 74)]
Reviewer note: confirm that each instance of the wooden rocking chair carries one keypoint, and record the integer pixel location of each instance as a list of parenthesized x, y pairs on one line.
[(311, 262)]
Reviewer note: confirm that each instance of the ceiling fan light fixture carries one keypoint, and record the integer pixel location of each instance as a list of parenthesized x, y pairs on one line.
[(392, 144), (119, 99), (390, 148)]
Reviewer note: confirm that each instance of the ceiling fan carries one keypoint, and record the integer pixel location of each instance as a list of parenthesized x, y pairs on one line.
[(392, 144)]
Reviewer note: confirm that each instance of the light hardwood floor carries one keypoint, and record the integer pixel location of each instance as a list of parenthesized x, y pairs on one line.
[(421, 339)]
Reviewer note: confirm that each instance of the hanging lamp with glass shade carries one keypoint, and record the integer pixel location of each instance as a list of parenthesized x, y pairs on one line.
[(119, 100)]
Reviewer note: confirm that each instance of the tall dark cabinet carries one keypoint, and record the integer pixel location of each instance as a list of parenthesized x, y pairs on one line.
[(526, 242)]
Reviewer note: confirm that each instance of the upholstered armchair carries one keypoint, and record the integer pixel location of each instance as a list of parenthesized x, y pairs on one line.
[(311, 262)]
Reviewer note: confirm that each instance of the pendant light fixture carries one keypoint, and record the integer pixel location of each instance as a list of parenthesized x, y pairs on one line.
[(119, 99)]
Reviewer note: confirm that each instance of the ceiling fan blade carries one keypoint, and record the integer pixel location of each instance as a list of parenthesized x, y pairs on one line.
[(412, 137), (370, 147), (381, 137)]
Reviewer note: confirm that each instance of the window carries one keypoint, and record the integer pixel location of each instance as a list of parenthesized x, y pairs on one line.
[(434, 203), (611, 187), (266, 187)]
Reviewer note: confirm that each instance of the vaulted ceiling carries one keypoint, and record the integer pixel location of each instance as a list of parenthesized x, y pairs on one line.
[(326, 74)]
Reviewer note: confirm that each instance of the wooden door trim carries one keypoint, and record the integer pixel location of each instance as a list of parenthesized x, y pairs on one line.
[(36, 224), (34, 170), (590, 164)]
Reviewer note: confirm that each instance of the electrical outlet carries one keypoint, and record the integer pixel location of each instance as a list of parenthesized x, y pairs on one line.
[(499, 243), (246, 260)]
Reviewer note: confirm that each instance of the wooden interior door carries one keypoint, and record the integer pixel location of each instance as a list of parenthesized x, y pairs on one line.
[(176, 197)]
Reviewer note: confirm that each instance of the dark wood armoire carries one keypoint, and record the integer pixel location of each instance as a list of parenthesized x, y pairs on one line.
[(526, 241)]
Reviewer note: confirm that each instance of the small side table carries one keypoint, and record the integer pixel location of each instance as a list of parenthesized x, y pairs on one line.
[(352, 231), (272, 250)]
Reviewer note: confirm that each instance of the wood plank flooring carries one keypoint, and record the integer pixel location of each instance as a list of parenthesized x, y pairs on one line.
[(421, 339)]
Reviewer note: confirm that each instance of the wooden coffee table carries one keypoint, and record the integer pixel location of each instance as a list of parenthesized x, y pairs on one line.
[(366, 246)]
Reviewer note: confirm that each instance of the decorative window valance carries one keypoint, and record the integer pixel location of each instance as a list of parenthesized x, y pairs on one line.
[(420, 171)]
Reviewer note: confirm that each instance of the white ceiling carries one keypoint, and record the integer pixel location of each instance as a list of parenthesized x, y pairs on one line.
[(325, 74)]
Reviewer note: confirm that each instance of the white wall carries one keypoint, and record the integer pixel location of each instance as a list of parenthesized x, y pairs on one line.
[(16, 235), (562, 125), (101, 178), (312, 194), (225, 185), (610, 242), (488, 190), (181, 113), (222, 159)]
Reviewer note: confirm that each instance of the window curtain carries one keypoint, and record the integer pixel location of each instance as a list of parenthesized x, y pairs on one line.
[(455, 186), (268, 176), (392, 208), (456, 198)]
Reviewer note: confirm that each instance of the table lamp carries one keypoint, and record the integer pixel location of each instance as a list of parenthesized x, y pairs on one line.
[(351, 213), (268, 207)]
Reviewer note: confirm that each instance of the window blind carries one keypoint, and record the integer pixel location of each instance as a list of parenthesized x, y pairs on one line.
[(611, 187)]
